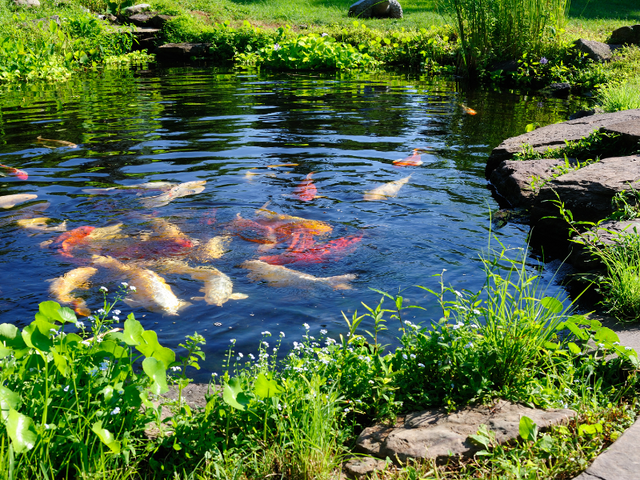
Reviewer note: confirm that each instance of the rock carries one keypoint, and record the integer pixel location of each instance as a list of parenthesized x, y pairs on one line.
[(583, 113), (554, 136), (586, 192), (27, 3), (629, 132), (376, 9), (133, 9), (181, 52), (619, 461), (145, 39), (148, 20), (606, 233), (626, 35), (558, 90), (362, 467), (515, 180), (597, 51), (434, 434)]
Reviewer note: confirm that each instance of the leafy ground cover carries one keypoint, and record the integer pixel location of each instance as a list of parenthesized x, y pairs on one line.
[(77, 398)]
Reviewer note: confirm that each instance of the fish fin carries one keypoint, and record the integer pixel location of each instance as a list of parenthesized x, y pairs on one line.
[(341, 282), (238, 296)]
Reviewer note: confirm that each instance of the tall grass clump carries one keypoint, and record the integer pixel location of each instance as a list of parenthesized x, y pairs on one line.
[(503, 29), (620, 95)]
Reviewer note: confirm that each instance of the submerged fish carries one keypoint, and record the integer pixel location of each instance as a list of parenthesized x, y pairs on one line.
[(286, 224), (181, 190), (218, 287), (251, 231), (165, 230), (61, 288), (328, 252), (8, 201), (111, 232), (283, 165), (467, 110), (59, 142), (40, 224), (412, 160), (21, 174), (306, 190), (387, 190), (152, 292), (212, 249), (279, 276), (66, 242), (161, 186)]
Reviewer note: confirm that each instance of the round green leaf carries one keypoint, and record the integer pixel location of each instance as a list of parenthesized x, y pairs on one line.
[(552, 304), (21, 431)]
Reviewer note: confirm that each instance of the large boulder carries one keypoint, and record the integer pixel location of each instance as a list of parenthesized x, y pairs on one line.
[(376, 9), (554, 136), (27, 3), (586, 192), (626, 35), (434, 434), (177, 53), (596, 51)]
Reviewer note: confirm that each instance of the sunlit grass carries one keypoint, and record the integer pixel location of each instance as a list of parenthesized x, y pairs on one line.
[(620, 96)]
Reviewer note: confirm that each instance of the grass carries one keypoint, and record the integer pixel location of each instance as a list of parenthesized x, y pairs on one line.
[(620, 96), (72, 396)]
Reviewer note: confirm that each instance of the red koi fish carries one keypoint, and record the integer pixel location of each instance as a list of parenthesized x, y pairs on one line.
[(412, 160), (306, 190), (21, 174), (467, 110), (66, 242), (251, 231), (153, 249), (330, 251), (301, 241)]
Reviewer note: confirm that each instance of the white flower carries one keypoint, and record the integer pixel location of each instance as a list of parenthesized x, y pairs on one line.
[(468, 345), (240, 355), (277, 46), (66, 389), (306, 326), (421, 365), (347, 410), (616, 343), (266, 333), (282, 334), (115, 411), (404, 355), (214, 374), (323, 332), (124, 284), (117, 312), (101, 310), (371, 381), (132, 288), (413, 356), (251, 356), (601, 345), (458, 325), (628, 348), (116, 318), (457, 293), (80, 324), (324, 34), (233, 340), (176, 369), (104, 289), (266, 345)]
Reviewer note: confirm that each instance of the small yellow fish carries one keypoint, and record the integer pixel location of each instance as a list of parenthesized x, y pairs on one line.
[(467, 110), (283, 165), (8, 201), (60, 142), (40, 224), (279, 276), (387, 190), (61, 288)]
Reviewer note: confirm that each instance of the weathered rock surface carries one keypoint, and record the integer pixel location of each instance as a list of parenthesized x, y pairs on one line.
[(181, 52), (27, 3), (597, 51), (586, 192), (606, 233), (626, 35), (376, 9), (133, 9), (148, 20), (629, 132), (554, 136), (518, 181), (434, 434), (620, 461), (361, 467), (558, 90)]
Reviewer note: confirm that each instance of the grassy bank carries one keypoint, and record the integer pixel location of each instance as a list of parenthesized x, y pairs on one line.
[(433, 35), (78, 397)]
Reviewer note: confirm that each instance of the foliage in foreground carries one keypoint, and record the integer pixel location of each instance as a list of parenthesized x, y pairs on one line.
[(71, 402)]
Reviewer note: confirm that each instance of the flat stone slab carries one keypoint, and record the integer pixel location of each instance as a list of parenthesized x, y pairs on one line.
[(434, 434), (629, 132), (554, 136), (519, 181), (620, 461), (181, 52)]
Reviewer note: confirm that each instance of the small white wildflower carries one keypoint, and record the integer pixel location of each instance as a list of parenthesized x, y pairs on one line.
[(233, 340), (240, 355), (458, 294), (115, 411), (132, 288), (214, 374), (251, 356), (324, 34), (117, 312), (66, 389), (266, 344), (323, 332), (104, 289), (277, 47), (116, 318), (476, 311), (458, 325), (468, 345), (616, 343), (421, 365), (601, 345), (404, 355), (628, 348), (347, 410), (413, 356), (306, 326), (80, 325), (124, 284), (266, 333), (176, 369), (101, 310), (282, 334)]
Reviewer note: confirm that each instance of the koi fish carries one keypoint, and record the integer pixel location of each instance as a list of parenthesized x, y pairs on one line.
[(66, 242), (21, 174), (282, 165), (111, 232), (279, 276), (387, 190), (330, 251), (8, 201), (61, 288), (412, 160), (251, 231), (166, 230), (249, 175), (40, 224), (59, 142), (301, 241), (212, 249), (152, 291), (181, 190), (285, 224), (306, 190), (467, 110), (161, 186)]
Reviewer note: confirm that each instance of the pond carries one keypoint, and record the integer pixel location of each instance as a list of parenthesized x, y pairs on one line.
[(235, 131)]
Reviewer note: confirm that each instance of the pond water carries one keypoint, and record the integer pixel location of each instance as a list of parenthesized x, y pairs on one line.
[(225, 128)]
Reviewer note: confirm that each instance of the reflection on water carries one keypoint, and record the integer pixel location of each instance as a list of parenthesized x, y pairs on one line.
[(235, 132)]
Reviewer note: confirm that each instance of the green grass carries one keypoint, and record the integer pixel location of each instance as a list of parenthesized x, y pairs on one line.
[(620, 96)]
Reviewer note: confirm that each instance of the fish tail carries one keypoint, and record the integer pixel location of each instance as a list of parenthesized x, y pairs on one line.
[(341, 282)]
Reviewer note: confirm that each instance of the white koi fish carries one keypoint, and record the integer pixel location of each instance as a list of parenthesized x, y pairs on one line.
[(40, 224), (387, 190), (8, 201), (181, 190), (279, 276)]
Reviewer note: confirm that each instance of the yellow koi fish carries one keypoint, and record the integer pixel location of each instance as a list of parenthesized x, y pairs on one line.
[(279, 276), (61, 288), (387, 190)]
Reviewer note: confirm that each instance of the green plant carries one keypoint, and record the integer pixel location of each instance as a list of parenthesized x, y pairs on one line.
[(559, 170), (620, 95), (593, 145)]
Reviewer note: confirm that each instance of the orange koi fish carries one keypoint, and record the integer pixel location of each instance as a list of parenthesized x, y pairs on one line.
[(301, 240), (467, 110), (412, 160), (286, 224), (21, 174), (251, 231), (282, 165), (330, 251), (306, 190), (66, 242)]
